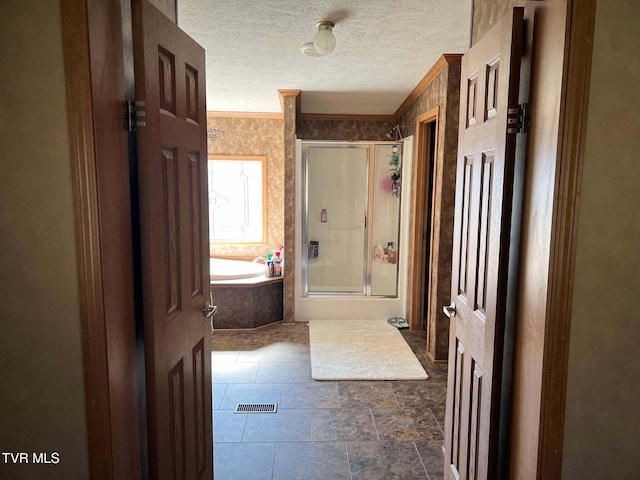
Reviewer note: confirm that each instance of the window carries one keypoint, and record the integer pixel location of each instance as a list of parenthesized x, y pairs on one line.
[(237, 199)]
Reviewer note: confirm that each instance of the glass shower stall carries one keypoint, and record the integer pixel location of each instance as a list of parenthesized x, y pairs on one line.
[(351, 218)]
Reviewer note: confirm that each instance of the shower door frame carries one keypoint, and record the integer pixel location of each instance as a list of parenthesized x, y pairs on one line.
[(368, 233)]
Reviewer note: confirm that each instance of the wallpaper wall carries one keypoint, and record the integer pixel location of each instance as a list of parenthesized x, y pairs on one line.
[(443, 92), (253, 136), (289, 107), (343, 130)]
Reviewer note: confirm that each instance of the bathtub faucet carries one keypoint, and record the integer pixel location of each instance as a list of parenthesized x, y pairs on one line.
[(257, 259)]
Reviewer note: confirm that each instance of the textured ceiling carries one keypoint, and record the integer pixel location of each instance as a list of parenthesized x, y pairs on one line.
[(383, 49)]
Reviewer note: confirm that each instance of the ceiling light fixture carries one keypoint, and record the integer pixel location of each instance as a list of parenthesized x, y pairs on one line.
[(324, 41)]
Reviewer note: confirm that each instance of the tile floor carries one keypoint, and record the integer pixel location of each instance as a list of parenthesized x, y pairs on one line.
[(322, 430)]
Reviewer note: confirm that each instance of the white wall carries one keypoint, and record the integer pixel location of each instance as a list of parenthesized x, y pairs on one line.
[(42, 405), (602, 424)]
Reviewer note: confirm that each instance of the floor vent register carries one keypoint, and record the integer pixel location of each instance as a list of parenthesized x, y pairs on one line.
[(256, 408)]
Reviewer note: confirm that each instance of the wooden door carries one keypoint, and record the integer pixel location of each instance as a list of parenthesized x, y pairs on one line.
[(172, 170), (484, 187)]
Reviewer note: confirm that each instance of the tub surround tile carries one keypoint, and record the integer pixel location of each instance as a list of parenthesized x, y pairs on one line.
[(249, 306), (385, 461), (311, 461)]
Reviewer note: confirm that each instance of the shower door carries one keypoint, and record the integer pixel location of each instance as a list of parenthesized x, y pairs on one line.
[(336, 180)]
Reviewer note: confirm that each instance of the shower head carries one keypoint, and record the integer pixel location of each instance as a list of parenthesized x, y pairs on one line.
[(395, 133)]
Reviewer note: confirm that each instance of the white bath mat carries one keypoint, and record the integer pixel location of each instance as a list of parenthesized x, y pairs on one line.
[(361, 350)]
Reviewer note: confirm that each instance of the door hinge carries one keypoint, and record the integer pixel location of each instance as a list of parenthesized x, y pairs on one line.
[(519, 118), (134, 115)]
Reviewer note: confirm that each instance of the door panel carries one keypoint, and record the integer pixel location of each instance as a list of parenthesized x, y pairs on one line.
[(486, 156), (172, 157)]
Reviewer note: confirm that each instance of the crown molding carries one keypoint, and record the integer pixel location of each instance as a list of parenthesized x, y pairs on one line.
[(289, 93), (443, 62)]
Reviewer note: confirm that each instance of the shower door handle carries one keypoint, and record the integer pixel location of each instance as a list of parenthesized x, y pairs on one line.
[(449, 310)]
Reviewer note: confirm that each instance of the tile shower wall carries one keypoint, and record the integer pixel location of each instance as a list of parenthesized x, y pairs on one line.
[(254, 136)]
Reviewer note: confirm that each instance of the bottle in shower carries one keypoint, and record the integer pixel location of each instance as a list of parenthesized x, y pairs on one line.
[(393, 256), (378, 253)]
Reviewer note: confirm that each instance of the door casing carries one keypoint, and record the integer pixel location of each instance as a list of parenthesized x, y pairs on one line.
[(94, 73)]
